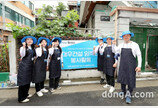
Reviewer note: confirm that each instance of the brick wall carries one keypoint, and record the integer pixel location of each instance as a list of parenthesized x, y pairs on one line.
[(6, 20)]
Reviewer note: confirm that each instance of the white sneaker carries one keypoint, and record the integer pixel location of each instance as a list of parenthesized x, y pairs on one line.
[(26, 100), (30, 95), (112, 89), (39, 93), (52, 90), (106, 86), (59, 88), (44, 90)]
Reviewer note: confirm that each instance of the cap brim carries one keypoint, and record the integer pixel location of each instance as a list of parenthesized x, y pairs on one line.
[(59, 39), (43, 38), (33, 38), (132, 35)]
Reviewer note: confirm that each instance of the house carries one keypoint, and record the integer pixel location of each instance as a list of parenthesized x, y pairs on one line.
[(114, 17), (20, 13)]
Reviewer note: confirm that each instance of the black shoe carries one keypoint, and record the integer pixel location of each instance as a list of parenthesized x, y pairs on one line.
[(101, 81), (122, 95)]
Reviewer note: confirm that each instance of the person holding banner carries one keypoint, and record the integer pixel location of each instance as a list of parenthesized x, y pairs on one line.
[(39, 74), (109, 63), (25, 70), (128, 51), (99, 50), (55, 55)]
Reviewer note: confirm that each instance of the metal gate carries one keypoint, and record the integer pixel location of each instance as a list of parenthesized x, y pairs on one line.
[(147, 38), (152, 36), (4, 58), (140, 38)]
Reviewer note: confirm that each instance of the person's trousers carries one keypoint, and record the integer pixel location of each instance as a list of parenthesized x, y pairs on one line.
[(54, 82), (23, 92), (102, 75), (110, 80), (39, 86), (123, 87)]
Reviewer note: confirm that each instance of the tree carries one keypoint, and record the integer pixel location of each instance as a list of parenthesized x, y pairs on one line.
[(60, 8), (58, 27)]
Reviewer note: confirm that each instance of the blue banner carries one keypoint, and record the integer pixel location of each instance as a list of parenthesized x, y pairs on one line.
[(79, 54)]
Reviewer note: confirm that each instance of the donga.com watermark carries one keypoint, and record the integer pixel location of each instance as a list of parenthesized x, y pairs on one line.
[(121, 95)]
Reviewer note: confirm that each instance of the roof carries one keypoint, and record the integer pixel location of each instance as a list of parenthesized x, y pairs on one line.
[(89, 9), (137, 9)]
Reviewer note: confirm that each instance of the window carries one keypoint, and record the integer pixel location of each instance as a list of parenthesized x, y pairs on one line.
[(27, 22), (17, 17), (27, 3), (32, 23), (23, 2), (22, 20), (8, 9), (8, 12), (13, 17), (31, 6)]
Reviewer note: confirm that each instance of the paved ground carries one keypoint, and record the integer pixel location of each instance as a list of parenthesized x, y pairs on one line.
[(79, 95)]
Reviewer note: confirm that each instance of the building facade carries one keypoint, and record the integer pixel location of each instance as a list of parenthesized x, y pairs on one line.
[(96, 14), (138, 16), (17, 12)]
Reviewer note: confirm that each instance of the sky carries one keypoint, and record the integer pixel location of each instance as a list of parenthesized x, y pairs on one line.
[(39, 3)]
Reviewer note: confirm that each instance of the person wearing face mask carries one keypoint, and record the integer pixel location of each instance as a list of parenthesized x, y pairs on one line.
[(99, 50), (25, 70), (40, 66), (128, 51), (109, 63), (55, 61)]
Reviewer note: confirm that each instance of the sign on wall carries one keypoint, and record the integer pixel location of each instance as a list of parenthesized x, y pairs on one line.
[(78, 54), (104, 18)]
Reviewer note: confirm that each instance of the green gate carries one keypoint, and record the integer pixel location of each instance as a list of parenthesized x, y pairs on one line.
[(152, 46), (140, 38), (147, 38)]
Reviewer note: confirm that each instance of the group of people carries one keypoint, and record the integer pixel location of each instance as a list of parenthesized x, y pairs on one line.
[(34, 64), (36, 61), (108, 56)]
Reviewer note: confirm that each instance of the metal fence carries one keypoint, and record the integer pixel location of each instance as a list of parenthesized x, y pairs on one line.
[(4, 58)]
